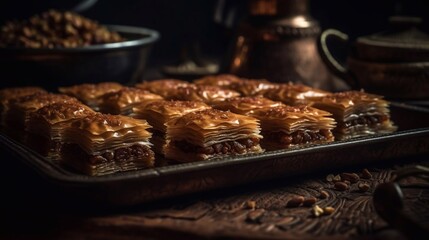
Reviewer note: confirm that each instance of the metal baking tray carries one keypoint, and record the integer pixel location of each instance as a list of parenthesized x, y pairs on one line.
[(135, 187)]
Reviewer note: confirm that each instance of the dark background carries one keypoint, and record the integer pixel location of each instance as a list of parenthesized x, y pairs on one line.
[(182, 22)]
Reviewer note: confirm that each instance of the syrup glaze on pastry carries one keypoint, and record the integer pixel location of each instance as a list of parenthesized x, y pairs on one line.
[(163, 87), (122, 101), (90, 94), (204, 134), (294, 94), (46, 125), (158, 113), (106, 144), (357, 113), (286, 126), (245, 105)]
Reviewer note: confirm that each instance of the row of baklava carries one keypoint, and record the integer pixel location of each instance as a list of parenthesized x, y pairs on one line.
[(214, 116)]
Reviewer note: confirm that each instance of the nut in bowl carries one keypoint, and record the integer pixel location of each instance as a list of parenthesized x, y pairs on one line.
[(47, 52)]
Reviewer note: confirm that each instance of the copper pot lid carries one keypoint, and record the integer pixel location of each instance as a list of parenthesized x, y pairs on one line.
[(404, 42)]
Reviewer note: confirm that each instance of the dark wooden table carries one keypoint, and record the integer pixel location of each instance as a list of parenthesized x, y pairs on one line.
[(32, 211)]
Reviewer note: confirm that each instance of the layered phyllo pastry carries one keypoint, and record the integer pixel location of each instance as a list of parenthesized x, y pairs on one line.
[(357, 113), (203, 93), (245, 105), (160, 112), (7, 94), (294, 94), (90, 94), (46, 125), (288, 126), (101, 144), (123, 101), (252, 87), (163, 87), (20, 109), (221, 80), (210, 133)]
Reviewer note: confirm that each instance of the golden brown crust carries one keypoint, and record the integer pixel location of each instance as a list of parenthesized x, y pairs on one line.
[(59, 112), (206, 127), (39, 100), (245, 105), (207, 94), (159, 112), (162, 87), (9, 93), (289, 119), (252, 87), (122, 101), (221, 80), (357, 113), (99, 123), (90, 93), (294, 94), (102, 132), (351, 98)]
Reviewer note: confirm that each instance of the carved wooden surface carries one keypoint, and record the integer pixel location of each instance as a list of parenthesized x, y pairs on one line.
[(221, 214), (228, 215)]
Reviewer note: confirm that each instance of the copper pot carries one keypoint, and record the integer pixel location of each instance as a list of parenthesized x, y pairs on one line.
[(278, 41), (394, 63)]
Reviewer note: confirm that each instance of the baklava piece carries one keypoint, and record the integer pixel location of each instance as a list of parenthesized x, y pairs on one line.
[(18, 114), (357, 114), (160, 112), (46, 125), (245, 105), (287, 126), (8, 94), (209, 133), (101, 144), (163, 87), (123, 101), (252, 87), (207, 94), (295, 94), (221, 80), (90, 94)]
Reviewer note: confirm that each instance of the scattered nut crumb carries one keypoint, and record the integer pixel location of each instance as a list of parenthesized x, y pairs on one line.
[(323, 194), (366, 174), (337, 178), (341, 186), (251, 205), (328, 210), (363, 187), (254, 216), (295, 202), (330, 178), (351, 177), (310, 201), (317, 211)]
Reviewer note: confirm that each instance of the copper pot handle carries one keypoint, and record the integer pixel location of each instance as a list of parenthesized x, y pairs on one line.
[(337, 68)]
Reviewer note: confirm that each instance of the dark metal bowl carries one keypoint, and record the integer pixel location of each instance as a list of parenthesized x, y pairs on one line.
[(122, 62)]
